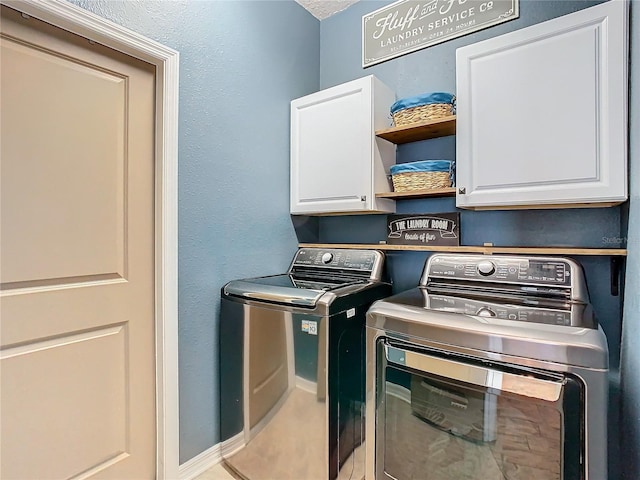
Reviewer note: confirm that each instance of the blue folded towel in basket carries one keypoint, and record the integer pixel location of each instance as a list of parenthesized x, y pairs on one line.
[(423, 166), (424, 99), (422, 175)]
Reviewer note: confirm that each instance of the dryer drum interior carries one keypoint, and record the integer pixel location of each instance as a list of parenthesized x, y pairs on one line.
[(466, 416)]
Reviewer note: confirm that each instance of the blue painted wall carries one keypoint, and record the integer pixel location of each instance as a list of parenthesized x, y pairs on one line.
[(630, 360), (241, 63)]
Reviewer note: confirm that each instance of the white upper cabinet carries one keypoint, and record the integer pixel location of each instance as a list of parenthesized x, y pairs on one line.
[(337, 162), (542, 114)]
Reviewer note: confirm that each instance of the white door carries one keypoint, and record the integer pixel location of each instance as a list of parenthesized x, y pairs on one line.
[(77, 352), (542, 113)]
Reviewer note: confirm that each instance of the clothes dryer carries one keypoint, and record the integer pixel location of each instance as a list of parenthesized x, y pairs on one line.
[(494, 367)]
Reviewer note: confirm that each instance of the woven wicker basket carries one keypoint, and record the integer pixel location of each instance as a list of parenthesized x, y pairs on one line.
[(422, 113), (410, 181)]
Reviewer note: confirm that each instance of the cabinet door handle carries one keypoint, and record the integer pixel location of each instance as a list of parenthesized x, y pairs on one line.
[(363, 198), (462, 190)]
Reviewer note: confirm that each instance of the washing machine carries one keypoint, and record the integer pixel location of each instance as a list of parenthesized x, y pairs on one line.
[(292, 366), (492, 368)]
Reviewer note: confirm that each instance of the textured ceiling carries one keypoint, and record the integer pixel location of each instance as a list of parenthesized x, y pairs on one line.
[(325, 8)]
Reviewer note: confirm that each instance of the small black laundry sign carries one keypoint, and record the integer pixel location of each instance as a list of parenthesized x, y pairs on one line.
[(425, 229)]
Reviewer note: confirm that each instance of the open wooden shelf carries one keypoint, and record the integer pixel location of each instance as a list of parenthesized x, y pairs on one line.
[(441, 127), (477, 249), (440, 192)]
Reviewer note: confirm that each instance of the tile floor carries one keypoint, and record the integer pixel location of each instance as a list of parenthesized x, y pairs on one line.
[(217, 472), (526, 446)]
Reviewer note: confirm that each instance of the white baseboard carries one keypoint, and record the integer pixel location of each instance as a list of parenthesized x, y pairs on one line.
[(211, 457), (232, 445), (306, 385), (200, 463)]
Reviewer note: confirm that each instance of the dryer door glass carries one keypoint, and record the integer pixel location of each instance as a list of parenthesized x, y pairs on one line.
[(441, 417)]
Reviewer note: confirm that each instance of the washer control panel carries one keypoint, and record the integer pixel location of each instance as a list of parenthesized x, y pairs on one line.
[(344, 259), (522, 270)]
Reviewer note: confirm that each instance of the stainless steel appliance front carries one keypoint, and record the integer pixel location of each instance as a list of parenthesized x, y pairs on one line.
[(491, 378), (292, 367)]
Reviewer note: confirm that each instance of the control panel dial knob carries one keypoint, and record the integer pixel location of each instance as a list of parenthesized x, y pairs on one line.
[(485, 312), (327, 257), (486, 268)]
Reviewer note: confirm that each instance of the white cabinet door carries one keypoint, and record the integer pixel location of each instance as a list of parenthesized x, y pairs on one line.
[(542, 114), (337, 164)]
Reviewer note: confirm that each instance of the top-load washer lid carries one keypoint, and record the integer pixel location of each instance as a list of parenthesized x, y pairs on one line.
[(312, 273), (285, 289)]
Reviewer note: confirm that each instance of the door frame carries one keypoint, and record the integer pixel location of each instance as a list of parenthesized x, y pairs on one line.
[(97, 29)]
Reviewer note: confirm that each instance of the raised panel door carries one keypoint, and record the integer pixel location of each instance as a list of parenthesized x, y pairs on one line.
[(77, 250), (336, 161), (541, 113)]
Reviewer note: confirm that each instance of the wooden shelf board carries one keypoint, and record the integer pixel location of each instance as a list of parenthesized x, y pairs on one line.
[(440, 192), (477, 249), (441, 127)]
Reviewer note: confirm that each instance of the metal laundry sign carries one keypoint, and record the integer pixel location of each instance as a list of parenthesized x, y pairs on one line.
[(428, 229), (407, 25)]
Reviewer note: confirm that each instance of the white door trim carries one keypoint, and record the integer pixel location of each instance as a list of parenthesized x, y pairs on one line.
[(82, 22)]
